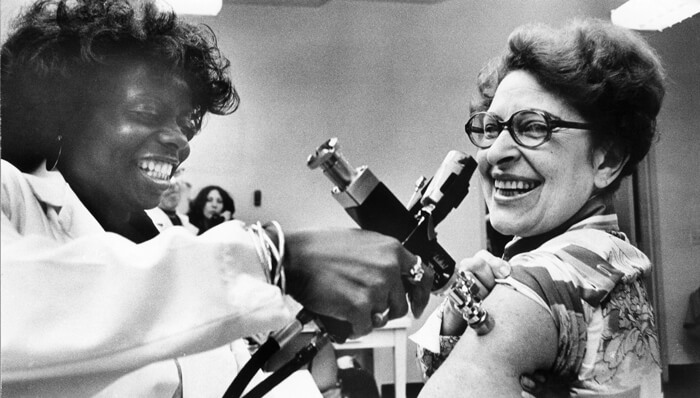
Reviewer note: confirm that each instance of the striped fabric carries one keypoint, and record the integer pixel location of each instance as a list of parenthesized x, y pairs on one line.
[(591, 279)]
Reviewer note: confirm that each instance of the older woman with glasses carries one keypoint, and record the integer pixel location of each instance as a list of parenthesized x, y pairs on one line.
[(568, 297)]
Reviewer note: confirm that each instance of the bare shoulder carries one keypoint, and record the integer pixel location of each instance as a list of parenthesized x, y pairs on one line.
[(523, 340)]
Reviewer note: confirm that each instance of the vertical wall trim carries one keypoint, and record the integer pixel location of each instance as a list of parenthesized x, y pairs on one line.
[(649, 241)]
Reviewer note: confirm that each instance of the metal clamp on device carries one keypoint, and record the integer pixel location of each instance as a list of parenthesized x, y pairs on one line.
[(372, 205)]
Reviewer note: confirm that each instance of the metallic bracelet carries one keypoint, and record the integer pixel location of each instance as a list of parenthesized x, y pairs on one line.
[(271, 256)]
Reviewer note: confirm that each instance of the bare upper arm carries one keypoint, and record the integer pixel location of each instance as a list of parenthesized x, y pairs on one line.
[(523, 339)]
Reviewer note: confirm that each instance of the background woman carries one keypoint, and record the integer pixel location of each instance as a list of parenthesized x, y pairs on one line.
[(99, 103), (166, 215), (212, 206), (560, 118)]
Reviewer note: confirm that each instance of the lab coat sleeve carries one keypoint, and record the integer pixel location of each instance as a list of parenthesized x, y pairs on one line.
[(102, 304)]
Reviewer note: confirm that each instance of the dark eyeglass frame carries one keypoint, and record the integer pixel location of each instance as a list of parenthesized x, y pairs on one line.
[(551, 122)]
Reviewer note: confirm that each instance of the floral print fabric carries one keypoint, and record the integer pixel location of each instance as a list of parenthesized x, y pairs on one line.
[(591, 279)]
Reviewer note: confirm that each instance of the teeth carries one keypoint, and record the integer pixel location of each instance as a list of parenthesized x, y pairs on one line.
[(156, 170), (514, 185)]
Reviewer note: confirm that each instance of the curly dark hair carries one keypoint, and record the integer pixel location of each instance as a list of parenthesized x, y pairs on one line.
[(59, 47), (608, 73), (196, 211)]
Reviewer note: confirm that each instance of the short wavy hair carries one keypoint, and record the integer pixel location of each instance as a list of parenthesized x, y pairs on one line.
[(57, 46), (607, 73)]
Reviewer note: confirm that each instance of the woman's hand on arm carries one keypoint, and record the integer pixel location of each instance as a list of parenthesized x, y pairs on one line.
[(523, 340), (486, 268)]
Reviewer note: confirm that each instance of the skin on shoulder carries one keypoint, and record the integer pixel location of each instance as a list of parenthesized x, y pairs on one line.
[(523, 340)]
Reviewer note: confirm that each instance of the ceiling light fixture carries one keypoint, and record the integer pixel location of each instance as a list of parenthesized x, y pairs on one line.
[(653, 14), (191, 7)]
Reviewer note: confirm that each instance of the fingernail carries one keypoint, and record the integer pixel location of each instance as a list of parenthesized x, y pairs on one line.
[(526, 382), (417, 313)]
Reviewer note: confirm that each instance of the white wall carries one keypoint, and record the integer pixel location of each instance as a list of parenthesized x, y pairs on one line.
[(678, 180)]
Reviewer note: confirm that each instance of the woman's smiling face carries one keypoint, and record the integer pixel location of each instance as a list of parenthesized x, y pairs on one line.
[(134, 137), (531, 191)]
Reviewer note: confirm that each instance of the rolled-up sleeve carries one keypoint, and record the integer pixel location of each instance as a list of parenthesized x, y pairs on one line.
[(570, 280)]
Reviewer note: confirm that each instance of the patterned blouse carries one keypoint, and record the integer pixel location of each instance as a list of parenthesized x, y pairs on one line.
[(591, 280)]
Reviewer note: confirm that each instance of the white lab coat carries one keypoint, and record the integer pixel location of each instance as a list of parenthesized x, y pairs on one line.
[(82, 309)]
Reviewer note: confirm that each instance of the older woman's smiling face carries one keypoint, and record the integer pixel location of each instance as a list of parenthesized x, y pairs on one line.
[(531, 191), (132, 140)]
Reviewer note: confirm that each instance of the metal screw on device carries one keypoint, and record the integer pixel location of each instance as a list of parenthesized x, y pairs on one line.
[(333, 164)]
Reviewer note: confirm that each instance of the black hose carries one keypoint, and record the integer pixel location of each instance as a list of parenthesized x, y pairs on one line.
[(300, 359), (256, 362)]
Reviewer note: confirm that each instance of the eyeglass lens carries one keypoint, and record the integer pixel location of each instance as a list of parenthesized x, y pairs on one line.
[(527, 128)]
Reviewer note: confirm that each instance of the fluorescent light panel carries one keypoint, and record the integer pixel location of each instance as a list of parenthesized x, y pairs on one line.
[(653, 14), (192, 7)]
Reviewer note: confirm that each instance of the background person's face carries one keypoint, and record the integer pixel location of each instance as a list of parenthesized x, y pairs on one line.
[(214, 204), (531, 191), (132, 140), (171, 197)]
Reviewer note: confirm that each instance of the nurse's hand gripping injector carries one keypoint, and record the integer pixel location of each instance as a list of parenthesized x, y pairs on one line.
[(372, 205)]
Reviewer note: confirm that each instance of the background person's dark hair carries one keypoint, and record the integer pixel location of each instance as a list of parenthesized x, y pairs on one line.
[(196, 213), (57, 50), (609, 74)]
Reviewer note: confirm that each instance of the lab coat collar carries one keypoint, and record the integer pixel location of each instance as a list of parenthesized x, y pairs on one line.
[(49, 187), (52, 190)]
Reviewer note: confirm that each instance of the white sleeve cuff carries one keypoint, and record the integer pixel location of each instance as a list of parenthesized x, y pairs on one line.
[(428, 336)]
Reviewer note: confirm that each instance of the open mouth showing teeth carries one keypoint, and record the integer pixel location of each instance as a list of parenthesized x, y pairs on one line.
[(514, 188), (156, 170)]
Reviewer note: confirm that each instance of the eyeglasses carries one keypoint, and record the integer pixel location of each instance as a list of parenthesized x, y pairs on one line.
[(529, 128)]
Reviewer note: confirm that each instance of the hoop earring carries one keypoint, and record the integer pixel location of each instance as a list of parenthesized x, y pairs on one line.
[(59, 140)]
